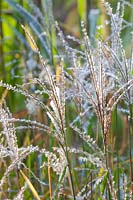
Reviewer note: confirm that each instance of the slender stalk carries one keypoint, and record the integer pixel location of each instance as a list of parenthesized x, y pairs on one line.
[(130, 143), (91, 187), (2, 71), (118, 171), (69, 168), (130, 139), (49, 178)]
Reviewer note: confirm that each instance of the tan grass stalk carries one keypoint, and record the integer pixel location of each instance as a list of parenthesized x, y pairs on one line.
[(49, 178), (4, 96), (33, 190)]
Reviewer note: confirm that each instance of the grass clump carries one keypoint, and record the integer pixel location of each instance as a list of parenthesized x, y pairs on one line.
[(66, 145)]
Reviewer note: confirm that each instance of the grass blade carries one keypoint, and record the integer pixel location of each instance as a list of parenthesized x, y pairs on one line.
[(34, 192)]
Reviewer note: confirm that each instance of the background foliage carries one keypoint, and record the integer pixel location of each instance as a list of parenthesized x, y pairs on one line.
[(20, 64)]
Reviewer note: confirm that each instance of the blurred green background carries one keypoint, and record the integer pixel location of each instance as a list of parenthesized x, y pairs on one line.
[(19, 63)]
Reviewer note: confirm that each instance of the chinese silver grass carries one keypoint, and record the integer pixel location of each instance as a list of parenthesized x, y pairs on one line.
[(57, 98), (17, 162), (59, 164), (69, 51), (83, 155), (93, 185), (9, 147), (33, 124), (117, 51), (99, 83), (9, 133), (93, 87), (33, 174), (82, 193), (57, 160), (100, 87), (123, 71), (20, 195), (56, 111), (90, 141), (22, 91)]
